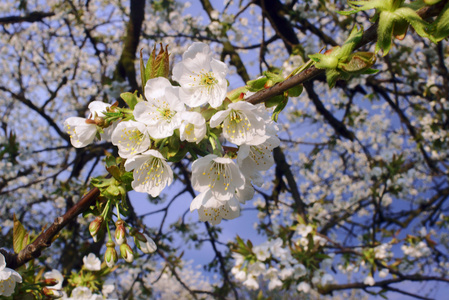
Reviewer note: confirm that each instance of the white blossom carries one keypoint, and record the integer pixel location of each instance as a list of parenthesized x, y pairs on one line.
[(91, 262), (304, 287), (8, 278), (131, 138), (219, 175), (151, 172), (161, 110), (241, 124), (213, 210), (369, 280), (83, 131), (193, 127), (202, 78)]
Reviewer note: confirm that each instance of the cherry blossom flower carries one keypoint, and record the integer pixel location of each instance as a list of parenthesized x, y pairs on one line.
[(193, 127), (304, 287), (161, 112), (369, 280), (8, 278), (83, 293), (255, 158), (241, 124), (151, 172), (220, 175), (83, 131), (202, 78), (131, 138), (213, 210), (91, 262)]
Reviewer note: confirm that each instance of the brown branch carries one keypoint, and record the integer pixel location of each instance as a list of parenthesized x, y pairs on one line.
[(369, 35), (35, 16), (45, 239), (283, 168)]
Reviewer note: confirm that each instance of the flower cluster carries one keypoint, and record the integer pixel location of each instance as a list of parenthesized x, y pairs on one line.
[(279, 263), (196, 117)]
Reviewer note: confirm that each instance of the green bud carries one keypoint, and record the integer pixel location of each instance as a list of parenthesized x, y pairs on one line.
[(120, 232), (158, 65), (94, 227), (126, 252), (110, 256), (137, 235)]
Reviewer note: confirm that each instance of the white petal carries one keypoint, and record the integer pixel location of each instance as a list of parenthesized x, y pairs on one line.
[(98, 107)]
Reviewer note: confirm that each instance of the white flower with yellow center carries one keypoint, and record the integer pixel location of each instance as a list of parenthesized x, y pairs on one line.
[(8, 278), (193, 127), (212, 210), (82, 131), (255, 158), (202, 78), (161, 110), (220, 175), (131, 138), (151, 172), (241, 123)]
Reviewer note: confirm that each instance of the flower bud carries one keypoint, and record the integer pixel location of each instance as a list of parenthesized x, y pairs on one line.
[(137, 235), (50, 282), (99, 121), (146, 247), (94, 227), (120, 232), (126, 252), (110, 257), (268, 84), (54, 294)]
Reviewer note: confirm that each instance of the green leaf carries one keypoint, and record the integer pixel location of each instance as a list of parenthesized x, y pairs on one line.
[(440, 28), (347, 13), (295, 91), (274, 101), (20, 236), (130, 99), (400, 29), (431, 2), (110, 161), (421, 27), (256, 84), (279, 108), (332, 76), (384, 31), (114, 171), (353, 39)]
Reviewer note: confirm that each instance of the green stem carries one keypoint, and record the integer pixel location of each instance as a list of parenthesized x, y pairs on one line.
[(118, 211), (109, 233), (215, 142)]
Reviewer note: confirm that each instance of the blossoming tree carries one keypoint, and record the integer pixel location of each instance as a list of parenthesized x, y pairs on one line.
[(323, 123)]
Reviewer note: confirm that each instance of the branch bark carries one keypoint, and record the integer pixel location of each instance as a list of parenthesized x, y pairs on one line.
[(35, 16)]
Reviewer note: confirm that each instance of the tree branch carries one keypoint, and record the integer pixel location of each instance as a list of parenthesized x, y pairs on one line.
[(45, 239), (369, 35), (35, 16)]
